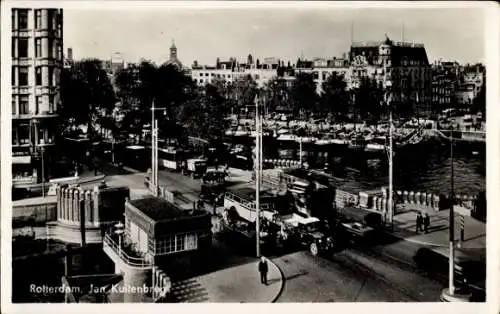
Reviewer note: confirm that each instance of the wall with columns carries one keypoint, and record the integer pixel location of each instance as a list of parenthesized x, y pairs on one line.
[(70, 200)]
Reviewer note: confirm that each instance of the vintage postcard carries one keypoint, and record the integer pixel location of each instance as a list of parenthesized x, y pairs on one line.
[(261, 152)]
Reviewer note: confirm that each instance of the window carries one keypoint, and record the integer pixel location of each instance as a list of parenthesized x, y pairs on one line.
[(201, 74), (23, 134), (38, 19), (38, 47), (177, 243), (14, 105), (14, 137), (38, 76), (22, 51), (22, 17), (206, 74), (23, 76), (201, 80), (38, 101), (13, 49), (13, 76), (23, 104), (51, 76), (51, 103)]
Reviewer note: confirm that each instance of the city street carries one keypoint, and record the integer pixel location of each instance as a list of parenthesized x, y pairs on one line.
[(379, 272)]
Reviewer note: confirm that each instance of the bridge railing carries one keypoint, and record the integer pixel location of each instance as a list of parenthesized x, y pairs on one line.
[(135, 261)]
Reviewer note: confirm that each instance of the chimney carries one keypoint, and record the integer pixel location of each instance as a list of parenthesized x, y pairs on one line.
[(70, 54)]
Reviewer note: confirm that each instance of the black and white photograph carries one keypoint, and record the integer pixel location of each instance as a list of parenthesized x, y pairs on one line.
[(232, 153)]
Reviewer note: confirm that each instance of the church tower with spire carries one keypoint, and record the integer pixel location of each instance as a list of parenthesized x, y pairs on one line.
[(173, 60), (173, 51)]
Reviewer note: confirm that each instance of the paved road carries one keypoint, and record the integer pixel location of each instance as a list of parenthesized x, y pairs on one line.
[(349, 277)]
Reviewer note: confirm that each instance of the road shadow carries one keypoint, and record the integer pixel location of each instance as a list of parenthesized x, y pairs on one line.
[(218, 257)]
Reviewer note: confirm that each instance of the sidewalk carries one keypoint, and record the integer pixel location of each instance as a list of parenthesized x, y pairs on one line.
[(405, 228), (239, 284)]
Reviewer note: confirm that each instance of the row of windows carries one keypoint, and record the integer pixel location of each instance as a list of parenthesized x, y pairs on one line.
[(54, 20), (216, 75), (177, 243), (20, 48), (23, 76), (20, 136), (20, 104)]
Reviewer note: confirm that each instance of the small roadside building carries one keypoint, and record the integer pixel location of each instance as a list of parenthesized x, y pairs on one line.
[(162, 231)]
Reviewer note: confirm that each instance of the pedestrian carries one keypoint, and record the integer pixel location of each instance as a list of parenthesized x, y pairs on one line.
[(427, 222), (263, 270), (419, 222)]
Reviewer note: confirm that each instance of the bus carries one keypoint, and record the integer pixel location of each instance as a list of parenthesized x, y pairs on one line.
[(170, 158), (243, 202)]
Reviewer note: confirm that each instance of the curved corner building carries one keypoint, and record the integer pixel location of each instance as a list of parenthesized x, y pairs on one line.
[(37, 58)]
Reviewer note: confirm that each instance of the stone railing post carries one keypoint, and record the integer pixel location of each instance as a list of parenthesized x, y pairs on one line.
[(95, 206)]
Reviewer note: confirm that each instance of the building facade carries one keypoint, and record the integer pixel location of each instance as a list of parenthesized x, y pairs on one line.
[(37, 59), (321, 69), (404, 64), (232, 70)]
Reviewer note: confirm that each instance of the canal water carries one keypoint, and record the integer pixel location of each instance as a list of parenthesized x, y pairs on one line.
[(423, 169)]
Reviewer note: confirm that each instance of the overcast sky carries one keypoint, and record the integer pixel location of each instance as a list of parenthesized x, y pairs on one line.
[(204, 35)]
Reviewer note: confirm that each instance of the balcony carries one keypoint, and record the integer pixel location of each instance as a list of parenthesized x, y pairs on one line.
[(40, 90), (23, 90), (21, 61), (127, 253), (24, 116), (46, 114)]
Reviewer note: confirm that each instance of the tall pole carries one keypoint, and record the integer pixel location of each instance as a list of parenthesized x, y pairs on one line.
[(257, 178), (153, 150), (452, 224), (43, 172), (300, 151), (390, 200), (390, 211), (113, 151)]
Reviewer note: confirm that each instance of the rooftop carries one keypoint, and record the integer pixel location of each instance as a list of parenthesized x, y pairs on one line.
[(159, 209), (248, 193)]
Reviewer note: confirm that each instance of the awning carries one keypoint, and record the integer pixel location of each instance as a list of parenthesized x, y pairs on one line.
[(21, 159)]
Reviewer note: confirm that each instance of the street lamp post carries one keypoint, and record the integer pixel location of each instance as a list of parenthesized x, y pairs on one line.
[(154, 150), (42, 152), (119, 231), (257, 167), (387, 100), (451, 277)]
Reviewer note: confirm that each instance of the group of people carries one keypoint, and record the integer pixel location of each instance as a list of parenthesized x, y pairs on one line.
[(423, 223)]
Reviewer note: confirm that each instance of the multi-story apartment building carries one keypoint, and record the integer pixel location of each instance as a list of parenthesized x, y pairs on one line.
[(474, 75), (321, 69), (404, 64), (232, 70), (37, 58)]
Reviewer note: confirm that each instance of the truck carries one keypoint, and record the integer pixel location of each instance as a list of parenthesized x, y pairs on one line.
[(280, 225), (306, 232), (195, 167)]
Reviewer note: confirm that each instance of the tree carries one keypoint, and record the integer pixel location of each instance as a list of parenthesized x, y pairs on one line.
[(277, 93), (86, 94), (368, 98), (303, 93), (334, 96), (480, 101), (245, 91)]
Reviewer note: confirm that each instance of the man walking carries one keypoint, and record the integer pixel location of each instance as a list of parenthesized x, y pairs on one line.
[(263, 270), (427, 222), (419, 222)]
